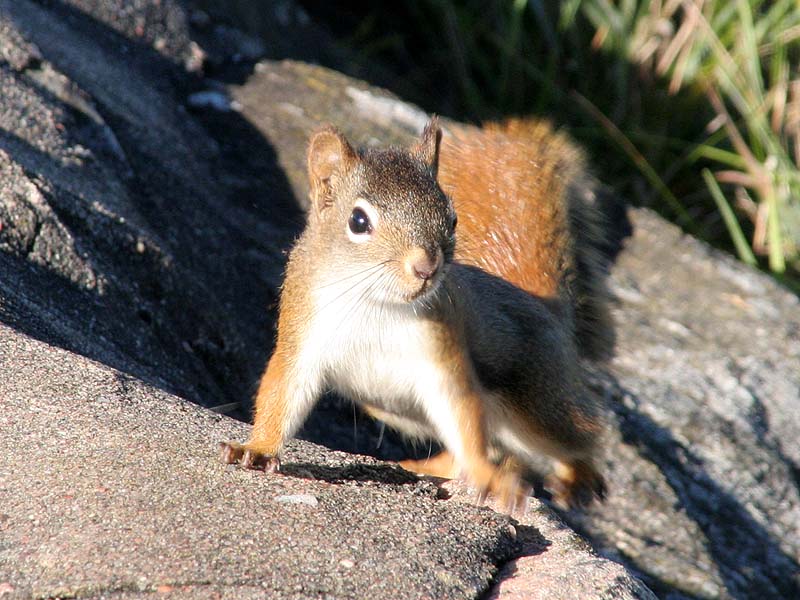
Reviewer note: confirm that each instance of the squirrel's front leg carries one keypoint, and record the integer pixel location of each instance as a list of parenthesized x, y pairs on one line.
[(460, 424), (282, 404)]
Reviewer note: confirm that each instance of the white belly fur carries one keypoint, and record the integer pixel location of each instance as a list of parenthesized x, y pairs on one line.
[(383, 356), (380, 355)]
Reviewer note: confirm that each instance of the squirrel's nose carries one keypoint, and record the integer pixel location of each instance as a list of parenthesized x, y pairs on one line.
[(421, 264), (425, 270)]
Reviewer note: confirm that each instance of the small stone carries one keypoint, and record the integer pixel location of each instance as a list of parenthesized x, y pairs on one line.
[(212, 99), (306, 499), (347, 563)]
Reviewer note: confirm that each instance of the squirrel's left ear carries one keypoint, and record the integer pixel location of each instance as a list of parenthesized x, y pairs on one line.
[(427, 147), (330, 157)]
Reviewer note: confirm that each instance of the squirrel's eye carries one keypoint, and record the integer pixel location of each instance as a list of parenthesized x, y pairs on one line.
[(359, 222), (455, 221)]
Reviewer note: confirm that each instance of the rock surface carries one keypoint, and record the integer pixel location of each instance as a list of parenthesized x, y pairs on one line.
[(141, 240), (706, 388), (108, 486)]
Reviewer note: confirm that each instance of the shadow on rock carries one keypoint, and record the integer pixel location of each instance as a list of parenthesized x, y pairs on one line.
[(748, 559), (348, 473), (177, 232)]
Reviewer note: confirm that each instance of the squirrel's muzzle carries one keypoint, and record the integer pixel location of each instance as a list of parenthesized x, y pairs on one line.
[(423, 264)]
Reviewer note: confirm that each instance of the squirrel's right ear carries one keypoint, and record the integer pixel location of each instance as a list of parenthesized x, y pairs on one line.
[(427, 147), (329, 156)]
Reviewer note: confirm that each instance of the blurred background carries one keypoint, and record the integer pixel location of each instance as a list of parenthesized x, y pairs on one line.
[(691, 107)]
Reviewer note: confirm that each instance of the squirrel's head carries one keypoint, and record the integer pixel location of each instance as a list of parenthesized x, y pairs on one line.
[(383, 219)]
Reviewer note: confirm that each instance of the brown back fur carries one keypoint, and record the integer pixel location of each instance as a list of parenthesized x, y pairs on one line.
[(524, 204)]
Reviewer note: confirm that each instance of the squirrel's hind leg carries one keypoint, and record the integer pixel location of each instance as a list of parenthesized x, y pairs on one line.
[(571, 445), (575, 483), (439, 465), (461, 430)]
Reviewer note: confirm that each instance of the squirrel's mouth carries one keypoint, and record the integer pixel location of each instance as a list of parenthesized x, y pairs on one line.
[(422, 291), (425, 290), (421, 274)]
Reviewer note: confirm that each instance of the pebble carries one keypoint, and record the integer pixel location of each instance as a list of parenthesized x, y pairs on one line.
[(214, 100), (307, 499)]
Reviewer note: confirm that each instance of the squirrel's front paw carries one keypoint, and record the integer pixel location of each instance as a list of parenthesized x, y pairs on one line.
[(575, 485), (249, 458)]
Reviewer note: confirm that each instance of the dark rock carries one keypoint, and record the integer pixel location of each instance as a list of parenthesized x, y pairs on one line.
[(116, 192), (109, 486)]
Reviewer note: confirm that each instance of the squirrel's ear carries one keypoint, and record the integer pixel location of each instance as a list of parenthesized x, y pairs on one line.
[(427, 147), (329, 156)]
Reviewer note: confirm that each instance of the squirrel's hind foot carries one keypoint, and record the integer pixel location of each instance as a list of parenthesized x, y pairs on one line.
[(575, 484), (502, 483), (248, 458), (509, 489)]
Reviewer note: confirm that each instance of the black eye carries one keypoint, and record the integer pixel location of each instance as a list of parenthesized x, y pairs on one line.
[(455, 222), (359, 222)]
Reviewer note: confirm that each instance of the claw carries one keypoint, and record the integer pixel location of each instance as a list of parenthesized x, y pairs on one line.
[(511, 495), (561, 496), (250, 460), (253, 459), (232, 453), (272, 464), (518, 501), (514, 496)]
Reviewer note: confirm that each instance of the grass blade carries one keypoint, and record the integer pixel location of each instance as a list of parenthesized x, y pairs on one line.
[(777, 261), (734, 229)]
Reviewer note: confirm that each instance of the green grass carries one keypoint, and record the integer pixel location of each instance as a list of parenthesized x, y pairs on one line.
[(736, 54), (689, 106)]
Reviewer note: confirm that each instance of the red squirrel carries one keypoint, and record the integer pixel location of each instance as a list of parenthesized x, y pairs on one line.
[(448, 289)]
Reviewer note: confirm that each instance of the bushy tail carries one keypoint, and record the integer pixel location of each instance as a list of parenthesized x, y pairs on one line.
[(530, 213), (594, 330)]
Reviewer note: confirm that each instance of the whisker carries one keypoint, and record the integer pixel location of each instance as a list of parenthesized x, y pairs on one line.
[(357, 273), (380, 435), (391, 290), (348, 290), (355, 302)]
